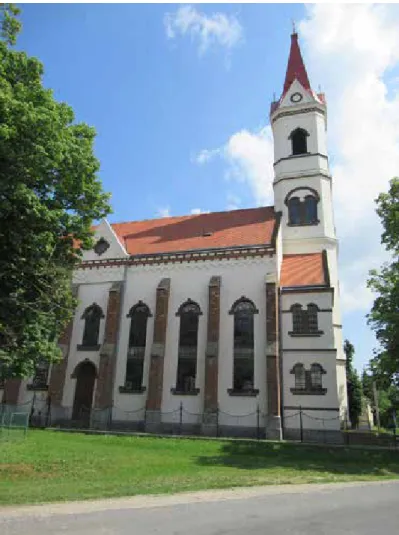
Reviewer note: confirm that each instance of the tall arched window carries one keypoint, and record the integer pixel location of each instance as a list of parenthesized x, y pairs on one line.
[(138, 315), (243, 359), (299, 141), (189, 313), (92, 316), (40, 379)]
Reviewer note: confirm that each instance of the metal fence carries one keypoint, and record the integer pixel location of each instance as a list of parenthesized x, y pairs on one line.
[(14, 421), (298, 424)]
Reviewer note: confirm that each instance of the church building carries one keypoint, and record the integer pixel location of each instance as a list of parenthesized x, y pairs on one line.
[(227, 320)]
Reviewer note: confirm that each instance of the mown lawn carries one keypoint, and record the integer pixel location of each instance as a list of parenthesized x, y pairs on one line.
[(53, 466)]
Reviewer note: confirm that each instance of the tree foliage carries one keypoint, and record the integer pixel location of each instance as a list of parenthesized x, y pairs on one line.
[(354, 386), (384, 315), (387, 396), (49, 196)]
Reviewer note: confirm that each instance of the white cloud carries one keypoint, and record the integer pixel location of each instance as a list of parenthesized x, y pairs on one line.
[(249, 156), (217, 28), (351, 49), (163, 212), (197, 211), (233, 202), (205, 156)]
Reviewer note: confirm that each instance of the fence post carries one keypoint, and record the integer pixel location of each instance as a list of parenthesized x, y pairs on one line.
[(257, 423), (180, 417), (109, 419), (217, 420), (32, 409), (300, 422), (48, 415), (394, 426)]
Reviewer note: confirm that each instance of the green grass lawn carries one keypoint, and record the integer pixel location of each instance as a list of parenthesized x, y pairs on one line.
[(54, 466)]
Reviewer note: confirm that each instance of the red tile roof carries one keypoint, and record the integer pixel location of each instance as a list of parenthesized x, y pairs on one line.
[(302, 270), (252, 226)]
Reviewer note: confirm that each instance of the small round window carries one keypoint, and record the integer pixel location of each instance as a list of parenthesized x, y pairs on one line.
[(101, 246)]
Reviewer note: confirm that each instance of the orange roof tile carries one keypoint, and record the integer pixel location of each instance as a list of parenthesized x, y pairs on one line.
[(252, 226), (303, 270)]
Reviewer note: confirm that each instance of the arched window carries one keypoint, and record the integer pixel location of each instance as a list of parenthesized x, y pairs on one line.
[(92, 316), (308, 381), (243, 368), (40, 379), (299, 141), (297, 318), (138, 315), (305, 322), (316, 372), (300, 376), (312, 319), (294, 211), (310, 210), (189, 313)]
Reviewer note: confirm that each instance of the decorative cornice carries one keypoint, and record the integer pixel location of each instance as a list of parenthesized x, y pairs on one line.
[(307, 154), (280, 112), (306, 289), (302, 176), (183, 256)]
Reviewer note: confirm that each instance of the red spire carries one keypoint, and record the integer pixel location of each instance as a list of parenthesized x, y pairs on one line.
[(296, 67)]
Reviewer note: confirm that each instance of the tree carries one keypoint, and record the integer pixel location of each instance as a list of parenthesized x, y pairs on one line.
[(354, 386), (387, 396), (384, 315), (50, 195)]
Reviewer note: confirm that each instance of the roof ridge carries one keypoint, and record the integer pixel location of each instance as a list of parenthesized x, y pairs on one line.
[(190, 215)]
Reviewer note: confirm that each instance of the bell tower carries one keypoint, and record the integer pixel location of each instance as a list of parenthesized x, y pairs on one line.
[(302, 180), (302, 183)]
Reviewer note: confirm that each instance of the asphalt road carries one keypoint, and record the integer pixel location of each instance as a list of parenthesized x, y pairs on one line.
[(364, 509)]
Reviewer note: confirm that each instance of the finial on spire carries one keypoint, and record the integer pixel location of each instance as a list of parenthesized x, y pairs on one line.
[(293, 27)]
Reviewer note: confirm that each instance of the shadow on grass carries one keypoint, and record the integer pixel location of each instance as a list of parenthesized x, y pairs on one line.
[(261, 455)]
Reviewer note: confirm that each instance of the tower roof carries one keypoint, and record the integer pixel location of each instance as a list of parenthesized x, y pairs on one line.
[(295, 67)]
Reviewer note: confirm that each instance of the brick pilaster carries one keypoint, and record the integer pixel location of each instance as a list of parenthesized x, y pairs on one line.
[(272, 350), (11, 391), (58, 370), (155, 383), (106, 369), (212, 347)]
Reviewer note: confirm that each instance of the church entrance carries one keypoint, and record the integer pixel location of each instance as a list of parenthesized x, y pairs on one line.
[(85, 374)]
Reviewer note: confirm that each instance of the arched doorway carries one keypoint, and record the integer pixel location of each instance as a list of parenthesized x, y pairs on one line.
[(85, 374)]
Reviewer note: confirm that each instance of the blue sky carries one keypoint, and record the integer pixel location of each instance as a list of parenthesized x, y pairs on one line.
[(160, 96)]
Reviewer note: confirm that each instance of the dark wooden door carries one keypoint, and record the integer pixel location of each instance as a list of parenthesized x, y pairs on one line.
[(85, 378)]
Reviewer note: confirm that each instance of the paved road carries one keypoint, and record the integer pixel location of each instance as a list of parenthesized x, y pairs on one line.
[(364, 509)]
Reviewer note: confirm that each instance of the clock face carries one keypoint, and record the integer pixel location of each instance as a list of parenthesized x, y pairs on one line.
[(296, 97)]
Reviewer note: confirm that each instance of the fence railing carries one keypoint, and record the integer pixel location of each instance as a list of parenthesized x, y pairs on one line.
[(298, 424)]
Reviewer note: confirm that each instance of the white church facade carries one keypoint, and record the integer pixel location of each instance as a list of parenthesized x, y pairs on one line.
[(232, 318)]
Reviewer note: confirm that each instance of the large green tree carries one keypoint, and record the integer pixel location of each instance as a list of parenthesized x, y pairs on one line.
[(354, 386), (50, 194), (384, 315)]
